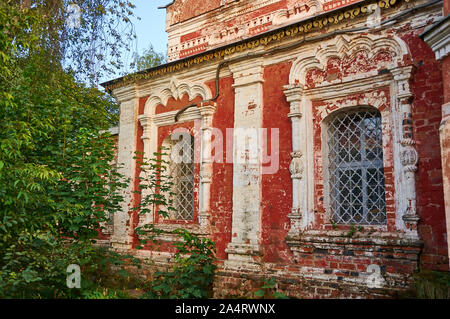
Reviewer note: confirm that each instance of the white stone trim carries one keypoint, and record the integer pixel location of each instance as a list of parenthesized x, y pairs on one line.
[(438, 38), (206, 169), (407, 155), (129, 104), (294, 95), (151, 121), (214, 36), (301, 98), (246, 219), (175, 90), (343, 44)]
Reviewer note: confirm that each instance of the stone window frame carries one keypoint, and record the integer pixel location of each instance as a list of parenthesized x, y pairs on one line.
[(395, 76), (372, 99), (151, 122)]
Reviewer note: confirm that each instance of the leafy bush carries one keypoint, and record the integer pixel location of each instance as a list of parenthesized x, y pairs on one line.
[(268, 290), (58, 184), (192, 274)]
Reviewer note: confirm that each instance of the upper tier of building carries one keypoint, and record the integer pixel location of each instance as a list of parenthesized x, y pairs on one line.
[(195, 26)]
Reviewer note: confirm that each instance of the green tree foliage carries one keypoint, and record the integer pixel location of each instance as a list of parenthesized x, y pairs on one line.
[(149, 59), (58, 184), (87, 37)]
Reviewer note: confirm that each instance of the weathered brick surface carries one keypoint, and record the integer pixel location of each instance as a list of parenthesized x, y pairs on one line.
[(218, 22), (428, 100), (323, 260), (230, 284)]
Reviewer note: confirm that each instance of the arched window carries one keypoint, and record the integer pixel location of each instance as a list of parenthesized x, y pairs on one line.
[(355, 168), (180, 148)]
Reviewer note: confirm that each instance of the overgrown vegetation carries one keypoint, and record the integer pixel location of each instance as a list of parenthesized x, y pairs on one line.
[(433, 284), (87, 37), (58, 182), (269, 290), (58, 185), (193, 268)]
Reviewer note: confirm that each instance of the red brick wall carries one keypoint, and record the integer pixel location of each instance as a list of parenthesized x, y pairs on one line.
[(276, 188), (184, 10), (338, 260), (163, 132), (222, 179), (446, 78), (426, 112)]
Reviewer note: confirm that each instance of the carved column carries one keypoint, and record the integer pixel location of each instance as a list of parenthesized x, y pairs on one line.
[(408, 154), (207, 112), (129, 103), (294, 97), (146, 123)]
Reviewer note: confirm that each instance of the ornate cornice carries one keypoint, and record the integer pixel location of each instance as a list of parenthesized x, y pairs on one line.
[(298, 29), (437, 37)]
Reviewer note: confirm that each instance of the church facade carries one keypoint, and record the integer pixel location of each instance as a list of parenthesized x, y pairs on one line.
[(311, 143)]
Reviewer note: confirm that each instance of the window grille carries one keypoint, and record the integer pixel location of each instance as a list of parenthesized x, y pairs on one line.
[(356, 171), (181, 169)]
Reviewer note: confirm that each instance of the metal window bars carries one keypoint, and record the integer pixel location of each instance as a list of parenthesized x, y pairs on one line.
[(181, 169), (356, 171)]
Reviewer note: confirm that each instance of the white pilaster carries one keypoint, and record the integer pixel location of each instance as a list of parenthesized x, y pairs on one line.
[(129, 103), (206, 165), (148, 127), (247, 160), (408, 154), (294, 95)]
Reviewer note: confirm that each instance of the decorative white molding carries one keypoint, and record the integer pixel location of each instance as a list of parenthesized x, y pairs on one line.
[(175, 90), (300, 97), (204, 113), (294, 95), (216, 34), (207, 113), (248, 113), (296, 167), (129, 102), (409, 157), (408, 153), (437, 37), (342, 45), (126, 93)]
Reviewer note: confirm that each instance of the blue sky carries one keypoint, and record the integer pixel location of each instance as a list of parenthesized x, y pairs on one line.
[(151, 27)]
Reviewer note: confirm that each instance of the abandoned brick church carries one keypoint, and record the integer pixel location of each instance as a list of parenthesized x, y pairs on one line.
[(321, 141)]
